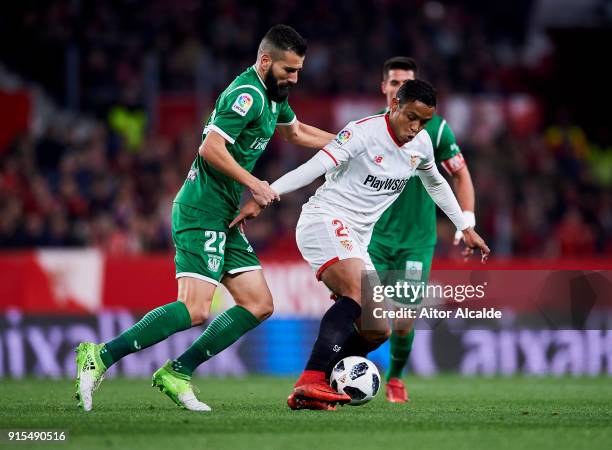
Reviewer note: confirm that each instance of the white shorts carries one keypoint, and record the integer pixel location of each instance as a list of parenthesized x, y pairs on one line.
[(324, 239)]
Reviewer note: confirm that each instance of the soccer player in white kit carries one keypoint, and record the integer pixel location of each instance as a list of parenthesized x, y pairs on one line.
[(366, 167)]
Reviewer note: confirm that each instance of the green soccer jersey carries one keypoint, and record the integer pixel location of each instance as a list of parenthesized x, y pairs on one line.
[(410, 221), (246, 117)]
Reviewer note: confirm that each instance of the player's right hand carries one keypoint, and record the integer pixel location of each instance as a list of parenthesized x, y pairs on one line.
[(263, 194), (474, 241), (250, 210)]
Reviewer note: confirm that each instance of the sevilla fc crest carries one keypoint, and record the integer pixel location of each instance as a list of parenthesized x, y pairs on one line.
[(414, 161)]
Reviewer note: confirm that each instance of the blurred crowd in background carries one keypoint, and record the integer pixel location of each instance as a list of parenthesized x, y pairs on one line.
[(110, 185)]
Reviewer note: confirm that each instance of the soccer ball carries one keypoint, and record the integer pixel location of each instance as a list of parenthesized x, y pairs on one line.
[(357, 377)]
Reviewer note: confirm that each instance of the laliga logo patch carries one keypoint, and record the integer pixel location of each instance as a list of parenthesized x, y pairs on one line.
[(343, 137), (242, 104)]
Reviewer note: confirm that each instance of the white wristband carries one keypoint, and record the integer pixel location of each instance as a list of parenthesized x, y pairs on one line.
[(470, 218)]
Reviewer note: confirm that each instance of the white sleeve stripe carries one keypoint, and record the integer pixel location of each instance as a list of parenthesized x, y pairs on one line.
[(328, 153), (439, 138), (285, 124), (216, 129), (263, 101)]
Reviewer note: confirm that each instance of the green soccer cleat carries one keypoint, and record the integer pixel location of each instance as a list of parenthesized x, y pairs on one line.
[(178, 387), (90, 373)]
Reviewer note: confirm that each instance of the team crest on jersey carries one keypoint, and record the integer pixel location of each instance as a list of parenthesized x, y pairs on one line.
[(414, 270), (347, 244), (343, 137), (378, 159), (414, 161), (213, 262), (192, 175), (242, 104)]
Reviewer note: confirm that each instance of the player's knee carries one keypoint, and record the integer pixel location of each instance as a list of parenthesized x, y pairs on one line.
[(261, 310), (261, 306), (198, 315), (355, 295), (265, 311), (350, 292), (197, 311)]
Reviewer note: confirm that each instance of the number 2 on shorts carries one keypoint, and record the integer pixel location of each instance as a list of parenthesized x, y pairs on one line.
[(341, 230)]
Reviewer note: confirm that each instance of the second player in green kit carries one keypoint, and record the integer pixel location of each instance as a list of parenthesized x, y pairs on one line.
[(404, 237)]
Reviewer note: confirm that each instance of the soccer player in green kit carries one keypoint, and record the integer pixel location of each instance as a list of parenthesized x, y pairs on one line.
[(404, 237), (245, 117)]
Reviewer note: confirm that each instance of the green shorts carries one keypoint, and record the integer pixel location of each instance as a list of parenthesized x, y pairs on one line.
[(205, 249), (401, 264)]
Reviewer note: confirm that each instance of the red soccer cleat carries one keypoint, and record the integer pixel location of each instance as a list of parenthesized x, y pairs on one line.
[(321, 391), (294, 402), (396, 391)]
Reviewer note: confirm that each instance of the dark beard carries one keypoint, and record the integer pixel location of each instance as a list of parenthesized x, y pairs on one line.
[(276, 93)]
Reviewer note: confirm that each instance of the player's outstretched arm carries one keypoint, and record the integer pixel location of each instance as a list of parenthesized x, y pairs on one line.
[(441, 193), (305, 135), (214, 151)]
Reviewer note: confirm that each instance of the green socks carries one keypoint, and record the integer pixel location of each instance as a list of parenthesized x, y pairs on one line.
[(220, 334), (154, 327), (166, 320), (401, 346)]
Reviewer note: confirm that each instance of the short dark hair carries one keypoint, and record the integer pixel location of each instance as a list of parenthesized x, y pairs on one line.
[(399, 62), (413, 90), (283, 38)]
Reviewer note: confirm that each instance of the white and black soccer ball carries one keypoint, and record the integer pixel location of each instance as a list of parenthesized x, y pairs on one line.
[(357, 377)]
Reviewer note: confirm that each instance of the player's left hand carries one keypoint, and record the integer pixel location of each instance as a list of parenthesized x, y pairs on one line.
[(250, 210), (474, 241), (470, 221)]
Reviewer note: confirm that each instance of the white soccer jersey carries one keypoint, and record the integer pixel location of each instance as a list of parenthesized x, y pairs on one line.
[(371, 170)]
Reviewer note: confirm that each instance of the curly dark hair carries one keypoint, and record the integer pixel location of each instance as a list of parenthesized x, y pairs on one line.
[(420, 90)]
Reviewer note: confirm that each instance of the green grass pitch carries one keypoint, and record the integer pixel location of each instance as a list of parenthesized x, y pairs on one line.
[(251, 413)]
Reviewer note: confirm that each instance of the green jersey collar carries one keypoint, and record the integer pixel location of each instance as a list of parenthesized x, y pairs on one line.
[(254, 67)]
